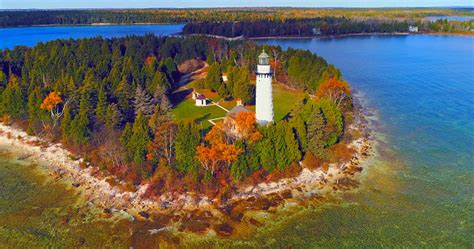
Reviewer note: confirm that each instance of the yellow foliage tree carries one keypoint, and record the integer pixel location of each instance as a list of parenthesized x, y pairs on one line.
[(51, 103)]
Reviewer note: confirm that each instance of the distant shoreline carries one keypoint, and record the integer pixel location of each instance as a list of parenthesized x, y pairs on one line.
[(91, 24), (467, 33), (329, 36), (295, 37)]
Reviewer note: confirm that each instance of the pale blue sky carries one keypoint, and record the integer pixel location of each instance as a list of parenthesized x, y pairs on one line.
[(48, 4)]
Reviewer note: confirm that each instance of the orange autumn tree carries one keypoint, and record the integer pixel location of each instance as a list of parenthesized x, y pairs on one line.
[(51, 103), (334, 89), (246, 126), (218, 155)]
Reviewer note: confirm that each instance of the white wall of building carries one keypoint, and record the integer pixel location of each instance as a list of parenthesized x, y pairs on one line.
[(264, 101), (201, 102)]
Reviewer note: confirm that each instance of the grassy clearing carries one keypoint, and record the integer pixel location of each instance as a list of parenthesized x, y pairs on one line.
[(187, 111), (284, 100)]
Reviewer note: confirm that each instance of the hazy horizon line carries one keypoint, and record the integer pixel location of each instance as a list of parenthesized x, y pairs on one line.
[(251, 7)]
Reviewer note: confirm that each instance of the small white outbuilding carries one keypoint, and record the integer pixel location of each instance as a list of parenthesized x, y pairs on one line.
[(201, 100), (412, 29)]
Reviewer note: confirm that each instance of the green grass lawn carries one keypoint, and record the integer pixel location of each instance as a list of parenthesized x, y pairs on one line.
[(187, 111), (284, 100)]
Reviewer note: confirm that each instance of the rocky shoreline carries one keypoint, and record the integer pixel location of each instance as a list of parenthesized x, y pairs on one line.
[(94, 188)]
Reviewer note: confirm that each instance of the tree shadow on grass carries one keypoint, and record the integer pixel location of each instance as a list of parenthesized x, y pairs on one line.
[(203, 118), (180, 96)]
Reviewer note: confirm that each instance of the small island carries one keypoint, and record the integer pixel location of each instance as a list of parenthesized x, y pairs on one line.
[(167, 126)]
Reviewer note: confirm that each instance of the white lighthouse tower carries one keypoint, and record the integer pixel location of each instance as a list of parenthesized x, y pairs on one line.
[(264, 108)]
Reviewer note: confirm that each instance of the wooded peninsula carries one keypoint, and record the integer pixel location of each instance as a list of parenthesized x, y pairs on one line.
[(112, 102), (258, 22)]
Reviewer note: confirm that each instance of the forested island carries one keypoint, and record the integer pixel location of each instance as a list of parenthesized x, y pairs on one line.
[(258, 22), (113, 106), (321, 27)]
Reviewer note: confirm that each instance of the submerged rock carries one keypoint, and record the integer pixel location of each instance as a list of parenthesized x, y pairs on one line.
[(224, 229), (144, 214), (195, 226), (81, 241), (164, 219), (286, 194), (255, 222)]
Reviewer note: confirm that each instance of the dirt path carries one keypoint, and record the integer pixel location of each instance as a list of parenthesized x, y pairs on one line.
[(185, 79)]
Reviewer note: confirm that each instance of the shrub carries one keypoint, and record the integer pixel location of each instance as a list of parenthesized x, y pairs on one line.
[(292, 170), (325, 167), (311, 161), (340, 153), (6, 119)]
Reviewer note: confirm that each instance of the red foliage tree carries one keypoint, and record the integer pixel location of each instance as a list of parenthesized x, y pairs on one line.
[(334, 89), (218, 155)]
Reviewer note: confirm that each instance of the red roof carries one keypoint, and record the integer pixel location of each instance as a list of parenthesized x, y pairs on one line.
[(200, 96)]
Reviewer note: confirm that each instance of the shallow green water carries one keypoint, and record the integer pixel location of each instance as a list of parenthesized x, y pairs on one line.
[(38, 211)]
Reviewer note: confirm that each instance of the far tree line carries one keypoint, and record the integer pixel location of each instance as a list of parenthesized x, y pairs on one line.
[(327, 26), (12, 18)]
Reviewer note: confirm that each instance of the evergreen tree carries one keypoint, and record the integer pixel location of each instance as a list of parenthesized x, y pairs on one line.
[(3, 80), (300, 129), (112, 117), (223, 92), (125, 139), (12, 99), (159, 80), (292, 147), (210, 57), (266, 154), (70, 87), (315, 134), (101, 109), (213, 78), (281, 148), (80, 131), (142, 102), (232, 75), (127, 69), (333, 121), (242, 88), (165, 104), (187, 139), (240, 168), (154, 121), (66, 124), (266, 149), (168, 67), (123, 93), (140, 138), (34, 111)]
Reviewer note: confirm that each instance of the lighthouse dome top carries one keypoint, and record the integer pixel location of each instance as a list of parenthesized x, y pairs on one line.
[(263, 58)]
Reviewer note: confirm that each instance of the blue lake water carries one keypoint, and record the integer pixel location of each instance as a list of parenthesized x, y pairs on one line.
[(29, 36), (422, 89), (418, 193)]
